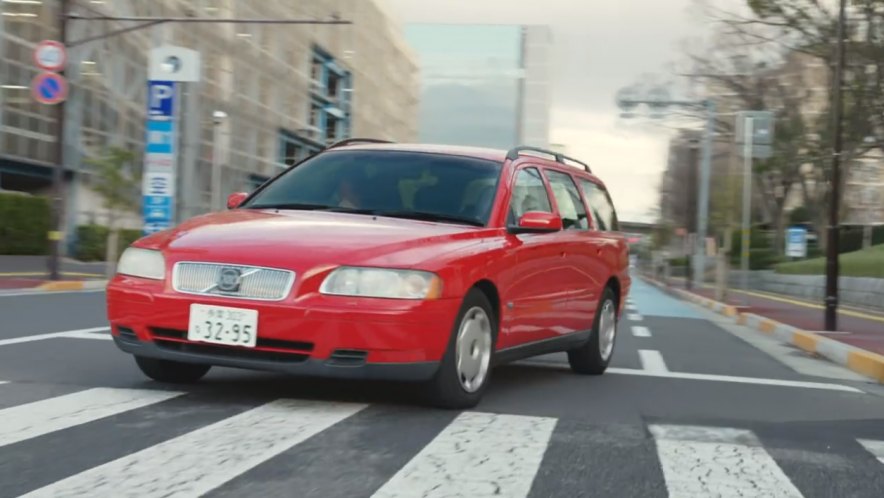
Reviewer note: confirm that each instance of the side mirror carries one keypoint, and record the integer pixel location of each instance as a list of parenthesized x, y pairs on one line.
[(235, 199), (537, 222)]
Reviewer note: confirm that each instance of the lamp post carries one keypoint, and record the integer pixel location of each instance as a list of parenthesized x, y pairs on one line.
[(831, 316), (658, 100)]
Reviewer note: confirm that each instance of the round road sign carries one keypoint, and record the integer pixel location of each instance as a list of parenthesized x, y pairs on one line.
[(50, 55), (49, 88)]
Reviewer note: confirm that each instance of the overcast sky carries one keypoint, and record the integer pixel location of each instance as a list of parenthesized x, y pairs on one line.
[(600, 46)]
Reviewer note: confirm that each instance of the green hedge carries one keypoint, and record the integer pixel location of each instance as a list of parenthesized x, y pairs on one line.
[(24, 224), (92, 241)]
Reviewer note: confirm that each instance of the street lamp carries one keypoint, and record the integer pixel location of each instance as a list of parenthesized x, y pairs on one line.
[(658, 100), (218, 118)]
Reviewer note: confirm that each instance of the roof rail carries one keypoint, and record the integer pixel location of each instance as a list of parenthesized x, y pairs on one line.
[(351, 141), (514, 153)]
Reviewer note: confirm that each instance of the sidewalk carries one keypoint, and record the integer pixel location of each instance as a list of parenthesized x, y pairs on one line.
[(857, 345), (31, 273), (861, 328)]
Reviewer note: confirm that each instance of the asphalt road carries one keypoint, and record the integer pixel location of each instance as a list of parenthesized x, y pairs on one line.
[(692, 407)]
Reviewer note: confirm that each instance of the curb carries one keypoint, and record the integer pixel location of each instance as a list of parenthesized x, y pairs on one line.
[(856, 359), (71, 285)]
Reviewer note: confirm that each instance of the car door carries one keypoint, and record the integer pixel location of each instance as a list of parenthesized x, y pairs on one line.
[(531, 298), (579, 281), (605, 242)]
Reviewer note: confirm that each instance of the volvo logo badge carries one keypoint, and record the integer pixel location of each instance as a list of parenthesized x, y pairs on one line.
[(229, 279)]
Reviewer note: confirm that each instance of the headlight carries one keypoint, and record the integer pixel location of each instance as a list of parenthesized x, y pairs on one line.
[(143, 263), (383, 283)]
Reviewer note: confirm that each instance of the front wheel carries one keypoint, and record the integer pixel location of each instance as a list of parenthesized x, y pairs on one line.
[(465, 370), (173, 372), (592, 358)]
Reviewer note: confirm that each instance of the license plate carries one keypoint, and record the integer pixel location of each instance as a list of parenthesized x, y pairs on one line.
[(223, 325)]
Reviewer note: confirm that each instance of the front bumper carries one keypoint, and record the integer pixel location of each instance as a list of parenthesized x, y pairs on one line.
[(312, 334), (309, 367)]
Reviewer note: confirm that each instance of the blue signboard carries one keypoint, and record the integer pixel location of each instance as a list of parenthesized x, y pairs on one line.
[(796, 242), (158, 185), (161, 99)]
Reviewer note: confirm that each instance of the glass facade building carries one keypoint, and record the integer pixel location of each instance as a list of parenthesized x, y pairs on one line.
[(483, 85)]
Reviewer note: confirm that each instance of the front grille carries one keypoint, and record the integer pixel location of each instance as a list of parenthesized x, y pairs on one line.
[(267, 284)]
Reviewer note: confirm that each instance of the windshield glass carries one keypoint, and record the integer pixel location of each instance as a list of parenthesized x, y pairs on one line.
[(435, 187)]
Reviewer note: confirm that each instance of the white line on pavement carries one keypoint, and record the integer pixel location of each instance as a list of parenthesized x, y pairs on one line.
[(640, 331), (42, 417), (478, 454), (874, 447), (634, 317), (710, 461), (48, 293), (89, 335), (704, 377), (208, 457), (75, 334), (652, 361)]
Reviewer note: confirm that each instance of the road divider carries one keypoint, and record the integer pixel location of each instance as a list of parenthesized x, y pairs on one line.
[(859, 360)]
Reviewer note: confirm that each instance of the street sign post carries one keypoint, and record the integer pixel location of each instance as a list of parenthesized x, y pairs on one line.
[(49, 88), (50, 55), (796, 242), (160, 157)]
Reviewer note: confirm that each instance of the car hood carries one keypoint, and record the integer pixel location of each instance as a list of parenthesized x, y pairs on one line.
[(300, 240)]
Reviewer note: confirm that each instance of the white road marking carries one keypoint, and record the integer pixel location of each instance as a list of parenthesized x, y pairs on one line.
[(47, 293), (706, 377), (75, 334), (478, 454), (640, 331), (874, 447), (30, 420), (89, 335), (634, 317), (707, 461), (652, 361), (208, 457)]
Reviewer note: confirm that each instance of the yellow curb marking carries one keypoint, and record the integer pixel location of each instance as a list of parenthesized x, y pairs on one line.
[(805, 340), (62, 286), (867, 363), (767, 326)]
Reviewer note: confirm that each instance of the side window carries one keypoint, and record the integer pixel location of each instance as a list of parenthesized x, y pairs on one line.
[(529, 194), (570, 205), (603, 213)]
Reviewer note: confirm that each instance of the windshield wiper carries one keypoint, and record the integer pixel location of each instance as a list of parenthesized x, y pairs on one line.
[(292, 205), (425, 216)]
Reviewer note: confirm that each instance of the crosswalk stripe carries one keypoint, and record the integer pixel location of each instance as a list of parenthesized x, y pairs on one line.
[(641, 331), (874, 447), (634, 317), (708, 461), (202, 460), (478, 454), (34, 419)]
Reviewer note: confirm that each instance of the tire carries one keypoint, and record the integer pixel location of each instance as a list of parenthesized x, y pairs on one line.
[(173, 372), (592, 357), (448, 389)]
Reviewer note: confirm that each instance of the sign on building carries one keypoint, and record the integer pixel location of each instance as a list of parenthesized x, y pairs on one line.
[(796, 242)]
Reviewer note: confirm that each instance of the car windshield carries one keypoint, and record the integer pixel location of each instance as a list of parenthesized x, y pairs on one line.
[(417, 185)]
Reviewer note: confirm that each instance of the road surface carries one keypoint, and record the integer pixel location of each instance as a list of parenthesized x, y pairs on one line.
[(692, 407)]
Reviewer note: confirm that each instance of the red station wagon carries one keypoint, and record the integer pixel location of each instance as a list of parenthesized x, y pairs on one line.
[(373, 260)]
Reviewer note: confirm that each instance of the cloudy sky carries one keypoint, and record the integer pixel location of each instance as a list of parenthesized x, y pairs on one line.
[(600, 46)]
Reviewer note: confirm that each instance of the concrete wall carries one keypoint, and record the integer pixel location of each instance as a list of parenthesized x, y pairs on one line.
[(856, 291)]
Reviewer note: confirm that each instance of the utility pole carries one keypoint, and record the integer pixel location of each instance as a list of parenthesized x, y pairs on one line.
[(56, 233), (831, 317), (747, 207)]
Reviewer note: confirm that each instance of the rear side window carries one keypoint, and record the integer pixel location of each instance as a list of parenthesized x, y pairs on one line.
[(603, 213), (568, 200), (529, 194)]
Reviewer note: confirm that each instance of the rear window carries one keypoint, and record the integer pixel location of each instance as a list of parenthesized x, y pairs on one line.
[(388, 181)]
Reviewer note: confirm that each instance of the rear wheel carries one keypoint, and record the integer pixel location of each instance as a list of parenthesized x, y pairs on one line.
[(173, 372), (465, 370), (592, 358)]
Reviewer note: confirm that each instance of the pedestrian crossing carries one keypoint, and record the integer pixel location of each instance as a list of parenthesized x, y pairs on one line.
[(156, 443)]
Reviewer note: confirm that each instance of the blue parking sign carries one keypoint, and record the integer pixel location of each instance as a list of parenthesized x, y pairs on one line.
[(161, 99)]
